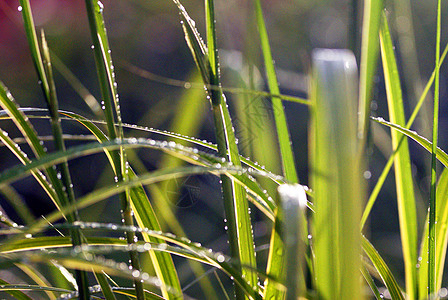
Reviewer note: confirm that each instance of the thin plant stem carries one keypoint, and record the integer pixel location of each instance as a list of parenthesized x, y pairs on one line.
[(433, 200)]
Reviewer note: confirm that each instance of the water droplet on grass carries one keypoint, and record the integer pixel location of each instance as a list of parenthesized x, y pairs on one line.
[(19, 8)]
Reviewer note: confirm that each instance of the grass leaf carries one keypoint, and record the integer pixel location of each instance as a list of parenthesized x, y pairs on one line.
[(383, 270), (402, 162), (336, 175)]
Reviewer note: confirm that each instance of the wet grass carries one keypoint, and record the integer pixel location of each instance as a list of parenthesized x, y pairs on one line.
[(318, 246)]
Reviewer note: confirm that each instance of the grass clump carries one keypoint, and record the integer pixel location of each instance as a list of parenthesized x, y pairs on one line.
[(317, 242)]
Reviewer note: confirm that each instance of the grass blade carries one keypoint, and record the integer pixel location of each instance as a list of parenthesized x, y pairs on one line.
[(235, 203), (441, 238), (336, 175), (111, 106), (389, 163), (440, 154), (432, 243), (293, 204), (286, 154), (368, 65), (383, 270), (19, 295), (402, 162)]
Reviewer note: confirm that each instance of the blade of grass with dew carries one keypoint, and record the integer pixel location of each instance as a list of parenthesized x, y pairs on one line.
[(368, 65), (62, 168), (87, 263), (185, 248), (36, 277), (21, 121), (16, 294), (389, 163), (440, 154), (441, 237), (402, 162), (235, 203), (103, 193), (187, 154), (286, 155), (383, 270), (237, 209), (432, 242), (336, 175), (63, 188), (257, 193), (105, 71), (105, 287)]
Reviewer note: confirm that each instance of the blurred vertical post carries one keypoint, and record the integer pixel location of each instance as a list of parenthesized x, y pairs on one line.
[(336, 174)]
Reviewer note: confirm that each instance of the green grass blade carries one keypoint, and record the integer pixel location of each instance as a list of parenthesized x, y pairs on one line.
[(62, 168), (368, 65), (105, 287), (389, 163), (286, 153), (336, 175), (184, 248), (287, 156), (441, 238), (108, 86), (19, 295), (187, 154), (36, 277), (293, 199), (402, 162), (440, 154), (432, 243), (371, 283), (235, 203), (383, 270)]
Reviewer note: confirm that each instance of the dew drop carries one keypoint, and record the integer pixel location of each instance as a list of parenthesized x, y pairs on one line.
[(19, 8)]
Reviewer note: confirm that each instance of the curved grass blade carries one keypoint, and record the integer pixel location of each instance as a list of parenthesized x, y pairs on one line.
[(105, 287), (383, 270), (37, 277), (263, 202), (188, 249), (440, 154), (402, 162), (389, 163), (72, 260), (32, 288)]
